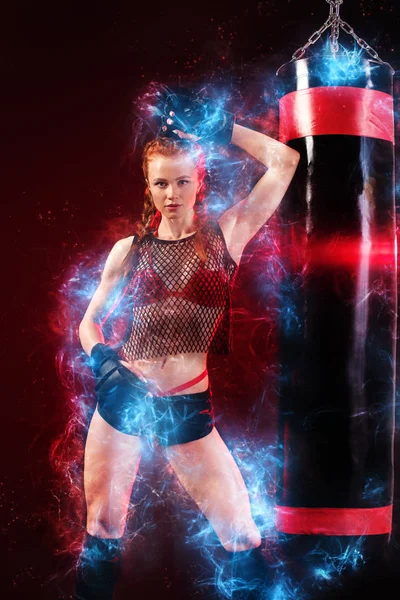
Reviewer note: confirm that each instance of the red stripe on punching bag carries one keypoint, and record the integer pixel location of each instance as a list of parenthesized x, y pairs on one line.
[(336, 111), (334, 521)]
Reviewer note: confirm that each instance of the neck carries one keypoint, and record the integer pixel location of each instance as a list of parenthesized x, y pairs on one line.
[(174, 229)]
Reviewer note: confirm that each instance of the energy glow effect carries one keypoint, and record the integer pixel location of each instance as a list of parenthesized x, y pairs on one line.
[(345, 68), (230, 574), (273, 576)]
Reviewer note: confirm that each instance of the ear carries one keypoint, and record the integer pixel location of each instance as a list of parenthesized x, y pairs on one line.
[(149, 195)]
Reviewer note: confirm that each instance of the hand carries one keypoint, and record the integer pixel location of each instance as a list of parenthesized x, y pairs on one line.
[(186, 136), (195, 118), (110, 371)]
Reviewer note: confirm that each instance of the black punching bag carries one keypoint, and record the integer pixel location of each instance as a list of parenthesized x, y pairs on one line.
[(338, 301)]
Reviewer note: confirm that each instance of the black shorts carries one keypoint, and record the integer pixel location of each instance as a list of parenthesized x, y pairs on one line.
[(130, 408)]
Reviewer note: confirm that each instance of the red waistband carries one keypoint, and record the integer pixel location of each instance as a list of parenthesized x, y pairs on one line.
[(184, 386)]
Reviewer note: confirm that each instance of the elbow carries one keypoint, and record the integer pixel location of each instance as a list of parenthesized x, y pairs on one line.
[(88, 328), (287, 160), (81, 330), (291, 162), (293, 159), (84, 328), (82, 325), (296, 156)]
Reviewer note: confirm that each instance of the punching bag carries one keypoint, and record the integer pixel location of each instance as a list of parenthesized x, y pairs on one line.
[(338, 302)]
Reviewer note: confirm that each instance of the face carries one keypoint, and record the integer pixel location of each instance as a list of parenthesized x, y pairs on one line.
[(173, 183)]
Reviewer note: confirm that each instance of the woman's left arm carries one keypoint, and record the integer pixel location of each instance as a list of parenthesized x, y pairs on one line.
[(242, 221)]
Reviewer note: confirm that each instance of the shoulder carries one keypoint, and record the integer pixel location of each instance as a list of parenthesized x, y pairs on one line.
[(124, 245), (119, 251)]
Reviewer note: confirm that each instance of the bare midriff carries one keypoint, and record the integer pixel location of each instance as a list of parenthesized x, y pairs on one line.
[(167, 372)]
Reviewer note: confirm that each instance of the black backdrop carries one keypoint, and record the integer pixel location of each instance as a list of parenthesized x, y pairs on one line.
[(69, 71)]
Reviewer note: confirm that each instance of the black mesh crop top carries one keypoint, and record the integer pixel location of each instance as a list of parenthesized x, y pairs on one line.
[(179, 303)]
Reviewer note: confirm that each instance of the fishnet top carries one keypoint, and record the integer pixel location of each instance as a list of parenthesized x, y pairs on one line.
[(179, 303)]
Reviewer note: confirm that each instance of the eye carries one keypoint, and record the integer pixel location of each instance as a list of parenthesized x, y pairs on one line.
[(160, 184), (183, 181)]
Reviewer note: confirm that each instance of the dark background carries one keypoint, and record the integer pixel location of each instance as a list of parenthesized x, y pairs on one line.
[(69, 72)]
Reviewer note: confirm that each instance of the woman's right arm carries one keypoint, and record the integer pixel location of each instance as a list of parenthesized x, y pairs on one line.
[(90, 332)]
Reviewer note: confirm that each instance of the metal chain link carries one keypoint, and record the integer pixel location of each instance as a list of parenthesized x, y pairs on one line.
[(311, 40), (362, 43), (336, 23), (334, 8)]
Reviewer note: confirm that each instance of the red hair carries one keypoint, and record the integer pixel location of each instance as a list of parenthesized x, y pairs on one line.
[(151, 217)]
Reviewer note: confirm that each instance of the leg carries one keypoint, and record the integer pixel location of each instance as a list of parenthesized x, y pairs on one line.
[(111, 462), (208, 472)]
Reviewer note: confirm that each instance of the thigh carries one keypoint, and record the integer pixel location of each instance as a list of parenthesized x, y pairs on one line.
[(208, 472), (111, 462)]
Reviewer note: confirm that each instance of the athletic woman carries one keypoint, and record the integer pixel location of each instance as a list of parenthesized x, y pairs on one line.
[(178, 270)]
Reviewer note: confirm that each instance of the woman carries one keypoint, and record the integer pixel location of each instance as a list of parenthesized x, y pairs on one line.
[(180, 268)]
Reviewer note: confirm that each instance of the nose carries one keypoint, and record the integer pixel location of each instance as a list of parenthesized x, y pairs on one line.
[(172, 191)]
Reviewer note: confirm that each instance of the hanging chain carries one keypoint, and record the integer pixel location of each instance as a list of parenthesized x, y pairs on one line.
[(334, 8), (311, 40), (335, 23), (362, 43)]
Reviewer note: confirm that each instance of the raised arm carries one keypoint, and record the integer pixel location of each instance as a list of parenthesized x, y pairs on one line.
[(90, 332), (242, 221)]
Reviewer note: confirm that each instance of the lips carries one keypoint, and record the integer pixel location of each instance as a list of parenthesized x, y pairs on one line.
[(172, 206)]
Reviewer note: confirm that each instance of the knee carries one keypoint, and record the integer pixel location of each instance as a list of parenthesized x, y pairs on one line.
[(104, 528), (103, 522), (242, 542)]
